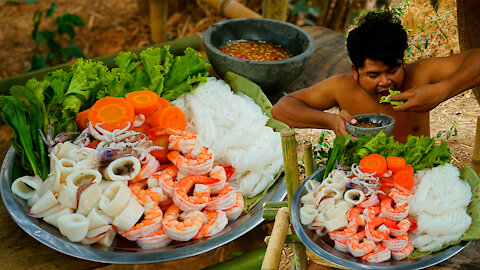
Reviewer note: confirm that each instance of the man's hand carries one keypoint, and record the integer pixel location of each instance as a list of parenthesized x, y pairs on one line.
[(420, 99), (340, 128)]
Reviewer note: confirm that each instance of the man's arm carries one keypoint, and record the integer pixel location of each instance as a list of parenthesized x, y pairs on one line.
[(305, 108), (449, 76)]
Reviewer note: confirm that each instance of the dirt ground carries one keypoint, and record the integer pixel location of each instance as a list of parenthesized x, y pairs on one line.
[(112, 26)]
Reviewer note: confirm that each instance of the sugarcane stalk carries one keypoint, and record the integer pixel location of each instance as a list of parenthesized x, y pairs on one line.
[(291, 238), (275, 9), (308, 158), (277, 239), (158, 19)]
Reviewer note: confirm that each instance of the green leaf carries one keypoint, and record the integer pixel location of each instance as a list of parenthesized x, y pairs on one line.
[(73, 19), (50, 11)]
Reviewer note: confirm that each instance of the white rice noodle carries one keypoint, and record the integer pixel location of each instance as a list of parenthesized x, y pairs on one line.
[(439, 206), (236, 134)]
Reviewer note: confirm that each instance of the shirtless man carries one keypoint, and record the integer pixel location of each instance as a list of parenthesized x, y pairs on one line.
[(376, 49)]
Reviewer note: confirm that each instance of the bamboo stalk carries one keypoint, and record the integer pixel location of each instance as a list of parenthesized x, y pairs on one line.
[(232, 9), (158, 20), (300, 256), (291, 238), (269, 213), (275, 204), (476, 149), (289, 149), (277, 239), (275, 9), (308, 158)]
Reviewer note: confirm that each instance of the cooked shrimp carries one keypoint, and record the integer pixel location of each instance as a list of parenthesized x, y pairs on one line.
[(182, 227), (342, 235), (216, 221), (402, 254), (151, 222), (145, 195), (380, 254), (199, 199), (400, 196), (198, 163), (236, 210), (397, 213), (166, 179), (371, 201), (341, 246), (358, 245), (376, 229), (371, 212), (219, 176), (156, 240), (355, 215), (148, 169), (400, 228), (396, 243), (224, 200)]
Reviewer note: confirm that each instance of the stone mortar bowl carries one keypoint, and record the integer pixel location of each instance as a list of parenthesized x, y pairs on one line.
[(386, 122), (270, 75)]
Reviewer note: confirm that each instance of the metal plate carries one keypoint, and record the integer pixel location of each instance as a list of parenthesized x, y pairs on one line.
[(123, 251), (323, 246)]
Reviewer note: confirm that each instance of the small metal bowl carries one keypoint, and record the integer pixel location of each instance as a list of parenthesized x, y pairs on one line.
[(386, 124), (323, 246)]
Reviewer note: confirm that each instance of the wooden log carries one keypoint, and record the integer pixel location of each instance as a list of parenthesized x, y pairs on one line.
[(308, 158), (158, 20), (275, 9), (232, 9), (277, 239)]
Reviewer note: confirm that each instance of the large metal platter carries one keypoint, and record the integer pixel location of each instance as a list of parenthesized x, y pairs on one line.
[(323, 246), (123, 251)]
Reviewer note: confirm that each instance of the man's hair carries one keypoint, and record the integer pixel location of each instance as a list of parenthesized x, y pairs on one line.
[(379, 36)]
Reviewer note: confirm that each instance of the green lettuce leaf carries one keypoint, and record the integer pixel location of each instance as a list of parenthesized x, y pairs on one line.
[(387, 99)]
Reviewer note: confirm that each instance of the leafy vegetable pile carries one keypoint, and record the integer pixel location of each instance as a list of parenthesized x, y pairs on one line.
[(387, 99), (420, 152), (51, 105)]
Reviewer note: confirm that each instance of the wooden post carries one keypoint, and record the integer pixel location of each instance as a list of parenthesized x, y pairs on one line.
[(277, 239), (308, 158), (232, 9), (275, 9), (476, 149), (158, 20)]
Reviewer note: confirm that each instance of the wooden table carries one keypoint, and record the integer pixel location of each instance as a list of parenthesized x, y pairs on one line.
[(21, 251)]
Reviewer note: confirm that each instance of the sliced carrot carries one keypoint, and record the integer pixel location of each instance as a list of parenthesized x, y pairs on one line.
[(374, 163), (145, 128), (409, 168), (93, 144), (170, 117), (395, 164), (82, 119), (403, 179), (112, 112), (162, 104), (144, 101)]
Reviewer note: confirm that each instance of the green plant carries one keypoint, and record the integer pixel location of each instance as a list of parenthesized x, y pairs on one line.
[(305, 10), (320, 151), (451, 132), (59, 44)]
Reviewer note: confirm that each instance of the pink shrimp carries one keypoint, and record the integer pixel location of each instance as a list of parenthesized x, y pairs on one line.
[(341, 246), (342, 235), (178, 139), (358, 245), (400, 196), (224, 200), (148, 169), (184, 229), (402, 254), (400, 228), (355, 215), (371, 212), (371, 201), (215, 180), (156, 240), (236, 210), (380, 254), (396, 243), (376, 229), (166, 179), (151, 222), (397, 213), (198, 163), (200, 198), (216, 221), (145, 195)]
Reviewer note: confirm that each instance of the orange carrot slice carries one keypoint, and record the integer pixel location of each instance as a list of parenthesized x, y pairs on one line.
[(170, 117), (82, 119), (374, 163), (113, 112), (162, 104), (144, 101), (403, 179), (395, 164)]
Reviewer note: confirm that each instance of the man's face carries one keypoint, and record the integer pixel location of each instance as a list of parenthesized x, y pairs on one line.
[(376, 78)]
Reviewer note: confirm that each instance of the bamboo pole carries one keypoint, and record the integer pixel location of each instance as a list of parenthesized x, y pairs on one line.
[(291, 238), (308, 158), (476, 149), (232, 9), (275, 9), (158, 20), (277, 239)]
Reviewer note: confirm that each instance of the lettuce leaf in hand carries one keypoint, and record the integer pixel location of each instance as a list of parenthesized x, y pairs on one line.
[(387, 99)]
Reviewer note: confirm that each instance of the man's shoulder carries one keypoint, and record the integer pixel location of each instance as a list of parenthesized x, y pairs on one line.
[(340, 80)]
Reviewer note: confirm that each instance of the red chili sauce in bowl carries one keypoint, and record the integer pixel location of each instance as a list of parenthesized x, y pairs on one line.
[(256, 50)]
